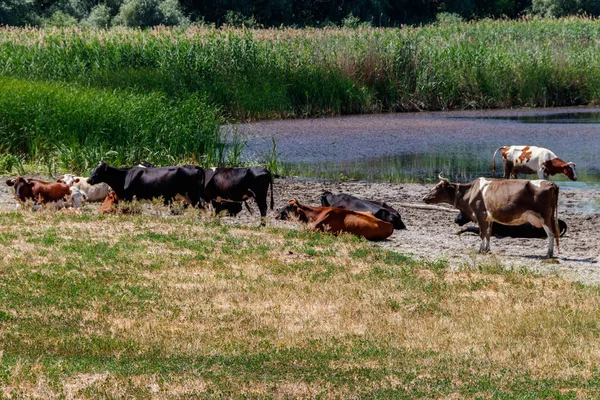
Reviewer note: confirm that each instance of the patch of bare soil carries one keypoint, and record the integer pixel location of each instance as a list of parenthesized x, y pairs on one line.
[(431, 233)]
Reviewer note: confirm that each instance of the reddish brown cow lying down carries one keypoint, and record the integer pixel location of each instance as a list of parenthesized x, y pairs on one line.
[(40, 192), (109, 205), (336, 220)]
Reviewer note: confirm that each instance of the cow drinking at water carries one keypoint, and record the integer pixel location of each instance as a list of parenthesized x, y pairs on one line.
[(509, 202), (532, 160)]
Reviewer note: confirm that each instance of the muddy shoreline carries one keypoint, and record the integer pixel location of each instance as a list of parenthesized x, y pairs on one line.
[(430, 236)]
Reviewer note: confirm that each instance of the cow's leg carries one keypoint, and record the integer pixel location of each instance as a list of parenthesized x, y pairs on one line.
[(550, 234), (485, 230), (542, 174), (508, 167), (261, 203)]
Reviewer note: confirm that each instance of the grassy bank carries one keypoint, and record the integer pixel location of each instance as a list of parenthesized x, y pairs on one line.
[(176, 307), (76, 127), (279, 73)]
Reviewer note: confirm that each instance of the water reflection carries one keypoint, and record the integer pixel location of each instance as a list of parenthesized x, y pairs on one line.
[(560, 118)]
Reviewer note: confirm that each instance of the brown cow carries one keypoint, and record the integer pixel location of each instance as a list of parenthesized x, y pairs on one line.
[(40, 192), (509, 202), (109, 205), (336, 220)]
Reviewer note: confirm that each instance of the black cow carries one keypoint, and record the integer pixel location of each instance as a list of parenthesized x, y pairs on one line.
[(147, 183), (227, 186), (515, 231), (379, 209)]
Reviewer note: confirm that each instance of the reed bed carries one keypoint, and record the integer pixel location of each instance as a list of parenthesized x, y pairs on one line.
[(76, 127), (281, 73)]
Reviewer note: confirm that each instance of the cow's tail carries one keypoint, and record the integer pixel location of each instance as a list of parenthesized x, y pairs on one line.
[(494, 159), (556, 227), (271, 179)]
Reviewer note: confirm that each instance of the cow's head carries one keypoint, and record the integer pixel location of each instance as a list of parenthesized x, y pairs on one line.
[(461, 219), (68, 179), (98, 174), (441, 193), (325, 199), (23, 188), (569, 171), (291, 209)]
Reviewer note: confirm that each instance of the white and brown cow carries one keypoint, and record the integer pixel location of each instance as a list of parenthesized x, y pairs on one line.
[(532, 160), (93, 193), (509, 202)]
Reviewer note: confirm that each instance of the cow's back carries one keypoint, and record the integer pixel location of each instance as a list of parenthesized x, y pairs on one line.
[(354, 222), (506, 199)]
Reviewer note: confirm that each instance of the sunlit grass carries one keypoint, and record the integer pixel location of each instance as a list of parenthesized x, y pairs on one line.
[(119, 306)]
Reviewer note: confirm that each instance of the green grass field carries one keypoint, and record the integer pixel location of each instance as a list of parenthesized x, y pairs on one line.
[(184, 306)]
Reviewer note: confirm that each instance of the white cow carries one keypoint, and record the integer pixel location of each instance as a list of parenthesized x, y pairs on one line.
[(532, 160), (94, 193)]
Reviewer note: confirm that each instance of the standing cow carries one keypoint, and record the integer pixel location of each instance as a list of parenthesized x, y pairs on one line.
[(235, 185), (509, 202), (148, 183), (532, 160)]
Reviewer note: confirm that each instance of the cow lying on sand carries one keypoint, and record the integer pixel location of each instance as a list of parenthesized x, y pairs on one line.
[(148, 183), (532, 160), (378, 209), (517, 231), (510, 202), (336, 220)]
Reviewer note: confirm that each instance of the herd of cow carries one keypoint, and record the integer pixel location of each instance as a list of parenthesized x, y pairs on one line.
[(516, 208)]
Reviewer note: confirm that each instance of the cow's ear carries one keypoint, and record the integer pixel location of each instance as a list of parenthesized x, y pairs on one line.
[(10, 182), (76, 180)]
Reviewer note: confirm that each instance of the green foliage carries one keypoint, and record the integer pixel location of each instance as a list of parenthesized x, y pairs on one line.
[(79, 126), (561, 8), (60, 19), (99, 17)]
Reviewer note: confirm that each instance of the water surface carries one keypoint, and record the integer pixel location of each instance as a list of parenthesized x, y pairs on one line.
[(416, 147)]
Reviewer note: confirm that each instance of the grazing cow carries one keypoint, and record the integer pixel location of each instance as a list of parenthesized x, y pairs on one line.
[(148, 183), (532, 160), (40, 192), (223, 186), (510, 202), (94, 193), (336, 220), (378, 209), (518, 231)]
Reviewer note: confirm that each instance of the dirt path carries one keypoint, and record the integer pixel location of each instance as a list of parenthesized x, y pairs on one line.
[(430, 235)]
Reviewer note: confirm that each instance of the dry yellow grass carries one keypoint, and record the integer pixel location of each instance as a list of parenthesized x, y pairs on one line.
[(179, 306)]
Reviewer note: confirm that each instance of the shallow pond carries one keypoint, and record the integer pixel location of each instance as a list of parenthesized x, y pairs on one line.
[(415, 147)]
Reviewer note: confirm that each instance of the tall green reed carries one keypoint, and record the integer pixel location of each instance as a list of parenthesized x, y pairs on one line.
[(78, 126), (294, 73)]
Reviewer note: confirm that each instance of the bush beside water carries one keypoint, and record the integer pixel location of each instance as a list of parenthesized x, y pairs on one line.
[(163, 74)]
